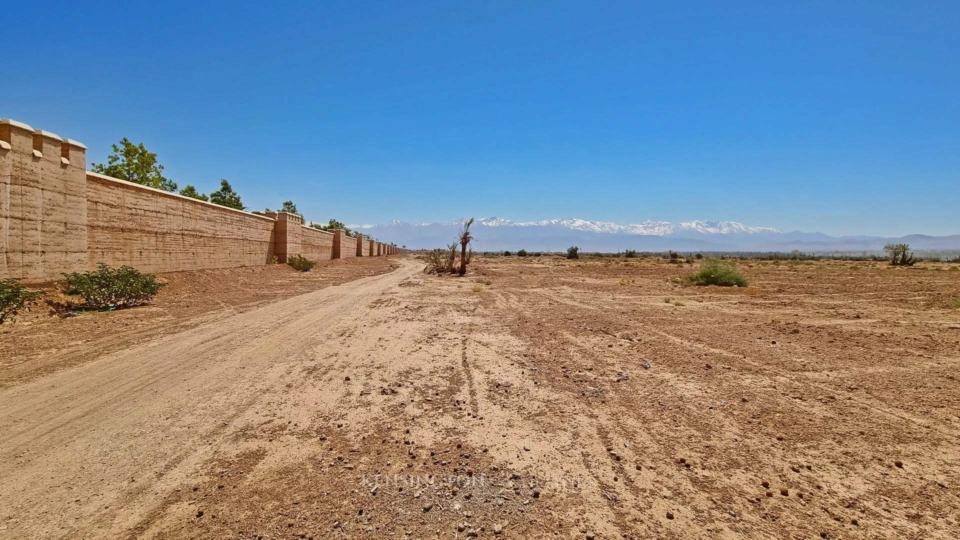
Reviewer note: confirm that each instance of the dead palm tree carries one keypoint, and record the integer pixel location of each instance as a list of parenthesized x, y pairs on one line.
[(465, 239)]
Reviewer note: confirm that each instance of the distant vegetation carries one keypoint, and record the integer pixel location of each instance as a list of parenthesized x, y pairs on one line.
[(717, 272), (573, 252), (900, 254), (333, 225), (444, 261)]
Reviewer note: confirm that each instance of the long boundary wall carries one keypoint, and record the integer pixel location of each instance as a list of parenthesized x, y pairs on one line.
[(56, 217)]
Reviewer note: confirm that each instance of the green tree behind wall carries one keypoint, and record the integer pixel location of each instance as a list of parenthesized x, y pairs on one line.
[(226, 196), (134, 163)]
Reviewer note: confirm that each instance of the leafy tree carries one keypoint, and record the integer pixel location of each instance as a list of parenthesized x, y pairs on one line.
[(226, 196), (134, 163), (192, 192), (289, 207), (573, 252), (333, 224), (900, 254)]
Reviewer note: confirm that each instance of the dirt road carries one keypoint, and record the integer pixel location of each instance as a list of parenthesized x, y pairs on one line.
[(97, 449), (537, 398)]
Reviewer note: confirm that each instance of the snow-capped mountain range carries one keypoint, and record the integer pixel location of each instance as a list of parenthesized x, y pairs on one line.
[(494, 233), (648, 227)]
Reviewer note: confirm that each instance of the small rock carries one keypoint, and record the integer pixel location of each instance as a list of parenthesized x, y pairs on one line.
[(669, 515), (785, 492), (427, 507), (899, 464), (497, 529), (199, 513)]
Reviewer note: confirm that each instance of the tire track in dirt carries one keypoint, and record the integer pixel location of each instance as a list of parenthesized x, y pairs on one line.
[(468, 372)]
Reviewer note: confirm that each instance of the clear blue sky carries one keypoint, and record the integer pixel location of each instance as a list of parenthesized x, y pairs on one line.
[(839, 117)]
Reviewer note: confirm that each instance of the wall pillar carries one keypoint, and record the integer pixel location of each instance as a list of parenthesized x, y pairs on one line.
[(337, 243), (43, 203), (287, 235)]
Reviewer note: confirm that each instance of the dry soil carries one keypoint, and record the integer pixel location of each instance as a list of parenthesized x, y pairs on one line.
[(535, 398)]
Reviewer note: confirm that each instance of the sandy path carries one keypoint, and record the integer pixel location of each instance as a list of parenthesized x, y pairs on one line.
[(96, 448)]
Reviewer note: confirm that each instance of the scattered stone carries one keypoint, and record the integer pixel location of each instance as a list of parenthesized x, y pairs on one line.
[(765, 484), (669, 515), (497, 529), (427, 507), (899, 464), (199, 513), (785, 492)]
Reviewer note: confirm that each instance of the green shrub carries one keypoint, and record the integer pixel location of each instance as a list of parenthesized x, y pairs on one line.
[(522, 253), (717, 272), (301, 263), (573, 252), (116, 288), (507, 254), (15, 297)]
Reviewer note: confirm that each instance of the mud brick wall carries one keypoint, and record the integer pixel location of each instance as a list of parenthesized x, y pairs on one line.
[(157, 231), (316, 245), (42, 203), (56, 217)]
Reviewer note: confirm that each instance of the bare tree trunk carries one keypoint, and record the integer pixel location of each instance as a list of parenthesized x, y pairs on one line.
[(463, 258)]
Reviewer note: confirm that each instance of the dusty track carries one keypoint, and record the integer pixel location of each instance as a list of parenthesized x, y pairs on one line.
[(95, 449)]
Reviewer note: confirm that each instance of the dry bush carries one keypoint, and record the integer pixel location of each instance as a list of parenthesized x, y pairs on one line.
[(717, 272), (112, 288)]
